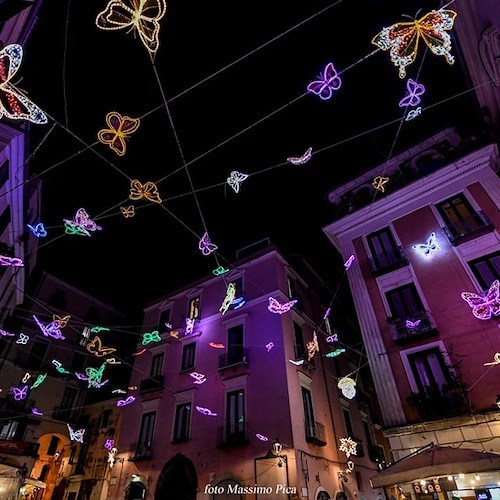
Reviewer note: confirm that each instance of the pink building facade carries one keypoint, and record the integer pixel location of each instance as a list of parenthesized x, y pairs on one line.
[(432, 235), (221, 408)]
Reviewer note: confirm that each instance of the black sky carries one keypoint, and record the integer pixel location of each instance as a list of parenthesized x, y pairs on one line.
[(133, 261)]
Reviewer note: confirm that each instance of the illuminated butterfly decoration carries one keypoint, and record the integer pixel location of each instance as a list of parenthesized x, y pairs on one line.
[(98, 385), (10, 261), (496, 360), (76, 435), (83, 221), (219, 270), (277, 308), (216, 346), (206, 246), (235, 179), (484, 307), (95, 347), (60, 321), (269, 346), (414, 91), (95, 375), (189, 326), (128, 211), (109, 444), (7, 334), (113, 361), (312, 347), (36, 411), (401, 39), (119, 391), (327, 83), (199, 378), (50, 330), (238, 302), (148, 190), (334, 354), (206, 411), (39, 381), (332, 338), (26, 377), (38, 230), (132, 388), (59, 367), (379, 183), (348, 262), (23, 339), (120, 127), (412, 324), (261, 437), (70, 228), (125, 402), (81, 376), (412, 114), (147, 338), (296, 362), (143, 16), (97, 329), (230, 293), (174, 334), (13, 103), (20, 393), (300, 160), (427, 248)]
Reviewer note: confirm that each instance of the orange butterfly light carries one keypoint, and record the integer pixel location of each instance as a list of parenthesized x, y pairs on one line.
[(402, 38), (95, 347), (147, 190), (140, 15), (61, 322), (120, 127), (128, 211)]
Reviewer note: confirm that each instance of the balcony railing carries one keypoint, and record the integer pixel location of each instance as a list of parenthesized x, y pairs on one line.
[(468, 228), (376, 453), (233, 359), (315, 433), (13, 447), (142, 452), (151, 384), (232, 436), (388, 261), (67, 414), (406, 329), (10, 405), (432, 402)]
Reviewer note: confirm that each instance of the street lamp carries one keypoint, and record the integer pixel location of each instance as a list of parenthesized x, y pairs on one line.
[(277, 447)]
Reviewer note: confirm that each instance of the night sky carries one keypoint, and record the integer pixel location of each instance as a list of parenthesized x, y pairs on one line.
[(136, 260)]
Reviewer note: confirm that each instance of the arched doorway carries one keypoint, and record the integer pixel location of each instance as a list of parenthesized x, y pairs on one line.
[(226, 483), (178, 480)]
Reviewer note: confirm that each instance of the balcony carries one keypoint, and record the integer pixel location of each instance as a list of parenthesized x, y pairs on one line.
[(22, 448), (468, 228), (65, 414), (151, 384), (432, 402), (420, 325), (142, 452), (10, 405), (315, 433), (232, 436), (233, 359), (376, 454), (388, 261)]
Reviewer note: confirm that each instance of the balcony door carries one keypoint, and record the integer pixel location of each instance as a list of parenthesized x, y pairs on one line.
[(382, 247), (235, 345), (235, 415), (459, 215), (308, 412), (404, 302), (429, 370)]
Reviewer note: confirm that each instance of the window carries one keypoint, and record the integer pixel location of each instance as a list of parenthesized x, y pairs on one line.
[(4, 219), (72, 455), (235, 414), (486, 269), (238, 285), (182, 420), (194, 308), (37, 352), (106, 414), (308, 412), (146, 431), (458, 213), (188, 352), (404, 301), (69, 397), (54, 443), (58, 299), (157, 365), (292, 288), (348, 423), (235, 352), (4, 173), (164, 318), (9, 430), (300, 347), (382, 245), (77, 362), (429, 370), (82, 458), (44, 472), (368, 433)]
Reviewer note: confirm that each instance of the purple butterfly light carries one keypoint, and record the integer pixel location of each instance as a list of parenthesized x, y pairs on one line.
[(412, 324), (484, 307), (125, 402), (206, 411), (206, 246), (329, 82), (277, 308), (414, 91)]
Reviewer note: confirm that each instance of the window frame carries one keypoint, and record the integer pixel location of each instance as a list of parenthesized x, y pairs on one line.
[(151, 435), (185, 430), (484, 259), (185, 348), (194, 314), (154, 371)]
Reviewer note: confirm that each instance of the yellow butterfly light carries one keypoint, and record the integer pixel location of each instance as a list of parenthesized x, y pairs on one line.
[(120, 127), (379, 183), (402, 38), (147, 190), (143, 16)]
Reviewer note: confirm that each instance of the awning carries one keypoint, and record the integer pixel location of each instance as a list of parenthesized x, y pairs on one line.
[(35, 482), (435, 461)]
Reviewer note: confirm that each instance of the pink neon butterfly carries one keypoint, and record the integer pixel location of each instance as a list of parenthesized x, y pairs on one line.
[(124, 402), (206, 411), (300, 160), (10, 261), (109, 444), (348, 262), (206, 246), (329, 82), (36, 411), (484, 307), (216, 346), (414, 91), (82, 220), (199, 378), (277, 308), (332, 338), (412, 324), (20, 393), (261, 437)]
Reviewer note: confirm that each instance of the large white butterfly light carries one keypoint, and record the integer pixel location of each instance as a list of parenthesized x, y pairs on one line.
[(76, 435), (235, 179)]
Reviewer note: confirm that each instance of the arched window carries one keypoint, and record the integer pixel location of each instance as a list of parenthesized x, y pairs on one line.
[(43, 474), (135, 491)]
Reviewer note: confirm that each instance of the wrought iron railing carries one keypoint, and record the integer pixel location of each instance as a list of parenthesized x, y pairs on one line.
[(315, 433), (393, 258), (231, 436), (413, 326), (237, 357), (151, 384), (468, 228), (431, 402)]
